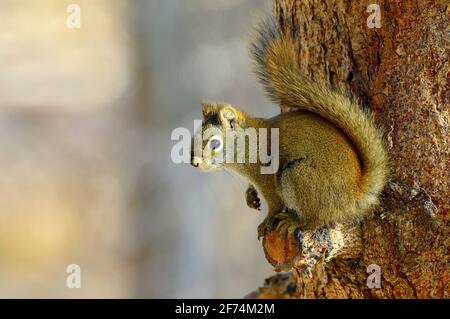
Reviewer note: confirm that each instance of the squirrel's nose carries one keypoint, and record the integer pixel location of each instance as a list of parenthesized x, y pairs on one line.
[(196, 161)]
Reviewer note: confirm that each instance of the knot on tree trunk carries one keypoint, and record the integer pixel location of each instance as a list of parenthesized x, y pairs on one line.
[(303, 250)]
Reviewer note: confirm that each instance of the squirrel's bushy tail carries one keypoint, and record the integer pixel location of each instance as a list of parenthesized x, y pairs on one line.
[(276, 54)]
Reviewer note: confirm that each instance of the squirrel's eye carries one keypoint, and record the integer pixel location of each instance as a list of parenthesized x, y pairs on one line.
[(215, 143)]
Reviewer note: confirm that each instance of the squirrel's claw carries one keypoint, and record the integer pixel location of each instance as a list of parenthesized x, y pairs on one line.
[(267, 225), (252, 198), (286, 224), (263, 228)]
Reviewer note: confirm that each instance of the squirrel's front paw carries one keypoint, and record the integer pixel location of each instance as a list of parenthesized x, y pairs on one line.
[(251, 196)]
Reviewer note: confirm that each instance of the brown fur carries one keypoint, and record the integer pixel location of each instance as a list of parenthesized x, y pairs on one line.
[(275, 52), (333, 164)]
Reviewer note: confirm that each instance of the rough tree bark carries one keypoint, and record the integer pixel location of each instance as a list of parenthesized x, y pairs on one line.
[(400, 70)]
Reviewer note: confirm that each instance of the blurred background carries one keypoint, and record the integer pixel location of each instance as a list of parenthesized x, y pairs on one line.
[(86, 116)]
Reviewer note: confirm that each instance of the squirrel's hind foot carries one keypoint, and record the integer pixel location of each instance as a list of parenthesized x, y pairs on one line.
[(289, 224), (286, 223), (266, 226)]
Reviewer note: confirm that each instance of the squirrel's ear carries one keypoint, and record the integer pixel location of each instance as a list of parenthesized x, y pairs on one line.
[(208, 108), (228, 116)]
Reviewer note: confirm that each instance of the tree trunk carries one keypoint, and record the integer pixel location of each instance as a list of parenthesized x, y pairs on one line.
[(400, 70)]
